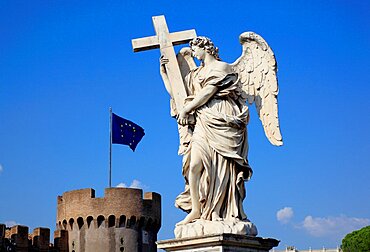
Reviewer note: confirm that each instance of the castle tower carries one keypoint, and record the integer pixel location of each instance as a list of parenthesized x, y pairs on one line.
[(120, 221)]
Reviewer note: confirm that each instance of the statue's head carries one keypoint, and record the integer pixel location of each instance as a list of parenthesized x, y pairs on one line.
[(205, 44)]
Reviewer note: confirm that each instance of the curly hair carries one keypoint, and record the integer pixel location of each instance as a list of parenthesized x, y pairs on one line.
[(207, 44)]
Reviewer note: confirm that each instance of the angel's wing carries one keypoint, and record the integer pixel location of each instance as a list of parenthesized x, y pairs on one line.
[(257, 74)]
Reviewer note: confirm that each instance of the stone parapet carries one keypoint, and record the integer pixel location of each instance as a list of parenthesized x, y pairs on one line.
[(219, 243), (2, 234), (17, 238), (80, 207), (19, 235), (41, 239), (61, 240)]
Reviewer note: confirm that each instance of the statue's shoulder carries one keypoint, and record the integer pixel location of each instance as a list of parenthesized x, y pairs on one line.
[(222, 66)]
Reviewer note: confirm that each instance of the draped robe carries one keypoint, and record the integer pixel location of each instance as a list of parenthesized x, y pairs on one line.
[(220, 136)]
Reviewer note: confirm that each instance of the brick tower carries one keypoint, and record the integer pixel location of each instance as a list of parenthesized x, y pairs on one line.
[(120, 221)]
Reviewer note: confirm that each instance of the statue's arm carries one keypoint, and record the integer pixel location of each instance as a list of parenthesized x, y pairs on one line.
[(200, 99)]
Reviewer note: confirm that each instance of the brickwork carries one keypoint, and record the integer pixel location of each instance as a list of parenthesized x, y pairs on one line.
[(123, 220), (2, 235), (61, 240), (19, 234), (116, 201), (17, 238), (41, 239)]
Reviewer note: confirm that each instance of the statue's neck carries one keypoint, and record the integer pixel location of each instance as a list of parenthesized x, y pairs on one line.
[(209, 59)]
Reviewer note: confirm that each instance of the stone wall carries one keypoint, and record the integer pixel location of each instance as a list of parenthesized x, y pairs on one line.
[(310, 250), (18, 239), (123, 220)]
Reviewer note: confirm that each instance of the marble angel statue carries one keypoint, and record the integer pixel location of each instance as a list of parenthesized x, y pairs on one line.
[(213, 133)]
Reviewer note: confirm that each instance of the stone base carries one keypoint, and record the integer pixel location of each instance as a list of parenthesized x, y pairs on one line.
[(219, 243), (205, 227)]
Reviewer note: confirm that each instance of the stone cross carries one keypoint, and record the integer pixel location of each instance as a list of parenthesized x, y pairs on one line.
[(164, 40)]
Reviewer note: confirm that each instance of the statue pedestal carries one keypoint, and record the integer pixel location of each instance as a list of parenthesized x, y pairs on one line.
[(219, 243)]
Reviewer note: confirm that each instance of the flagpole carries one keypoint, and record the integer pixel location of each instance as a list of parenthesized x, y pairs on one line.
[(110, 147)]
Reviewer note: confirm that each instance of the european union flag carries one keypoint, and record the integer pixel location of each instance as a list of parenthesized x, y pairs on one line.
[(126, 132)]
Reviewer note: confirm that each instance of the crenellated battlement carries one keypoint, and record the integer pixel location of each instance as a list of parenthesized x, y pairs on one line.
[(18, 238), (120, 207)]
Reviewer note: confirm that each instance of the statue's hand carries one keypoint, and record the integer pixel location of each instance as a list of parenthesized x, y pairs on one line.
[(183, 118), (186, 51), (163, 61)]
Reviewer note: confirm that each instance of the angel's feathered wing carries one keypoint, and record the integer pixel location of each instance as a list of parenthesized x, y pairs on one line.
[(257, 75)]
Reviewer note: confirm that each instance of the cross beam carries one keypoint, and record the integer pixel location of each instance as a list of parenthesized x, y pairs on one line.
[(164, 40)]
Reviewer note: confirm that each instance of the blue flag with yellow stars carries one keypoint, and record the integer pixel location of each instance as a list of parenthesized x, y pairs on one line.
[(126, 132)]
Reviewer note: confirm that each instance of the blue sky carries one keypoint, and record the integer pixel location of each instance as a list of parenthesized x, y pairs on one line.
[(64, 63)]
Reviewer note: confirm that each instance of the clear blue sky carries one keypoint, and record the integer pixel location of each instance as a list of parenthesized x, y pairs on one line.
[(64, 63)]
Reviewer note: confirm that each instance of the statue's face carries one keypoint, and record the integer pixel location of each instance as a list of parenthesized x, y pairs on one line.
[(198, 52)]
